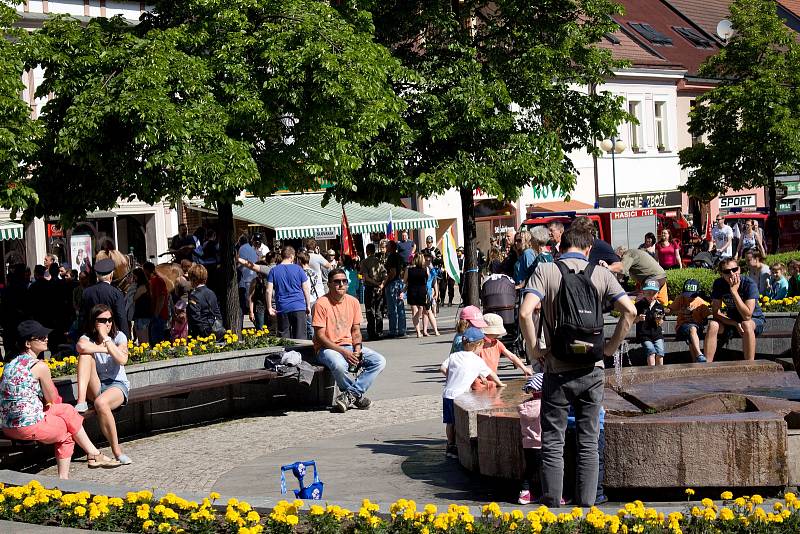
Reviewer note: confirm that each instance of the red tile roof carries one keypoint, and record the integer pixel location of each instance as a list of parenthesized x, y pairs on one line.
[(791, 5), (663, 19), (629, 49), (704, 13)]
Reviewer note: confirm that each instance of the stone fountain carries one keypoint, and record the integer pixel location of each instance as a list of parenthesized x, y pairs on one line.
[(726, 424)]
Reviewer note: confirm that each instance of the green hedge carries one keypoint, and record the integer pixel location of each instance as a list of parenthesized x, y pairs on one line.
[(676, 278), (783, 257)]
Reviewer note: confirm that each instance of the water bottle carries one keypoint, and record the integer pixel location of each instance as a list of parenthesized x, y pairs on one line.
[(353, 367)]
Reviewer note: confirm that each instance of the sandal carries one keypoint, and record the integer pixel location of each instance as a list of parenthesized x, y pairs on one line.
[(101, 460)]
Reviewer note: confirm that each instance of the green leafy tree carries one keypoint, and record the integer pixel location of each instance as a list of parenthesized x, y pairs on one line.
[(206, 99), (749, 122), (497, 96), (17, 130)]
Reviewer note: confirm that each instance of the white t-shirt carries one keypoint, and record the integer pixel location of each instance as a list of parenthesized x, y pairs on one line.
[(107, 367), (262, 251), (462, 369), (721, 235), (316, 261)]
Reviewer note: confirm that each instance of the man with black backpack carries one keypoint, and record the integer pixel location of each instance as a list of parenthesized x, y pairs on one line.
[(570, 340)]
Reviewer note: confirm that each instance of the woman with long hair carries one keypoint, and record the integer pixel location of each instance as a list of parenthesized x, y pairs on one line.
[(649, 244), (102, 354), (750, 241), (31, 408)]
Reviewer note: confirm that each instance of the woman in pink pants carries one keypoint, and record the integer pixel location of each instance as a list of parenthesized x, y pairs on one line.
[(25, 383)]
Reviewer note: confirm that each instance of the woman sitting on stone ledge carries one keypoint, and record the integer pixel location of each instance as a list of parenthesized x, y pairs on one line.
[(103, 351), (23, 416)]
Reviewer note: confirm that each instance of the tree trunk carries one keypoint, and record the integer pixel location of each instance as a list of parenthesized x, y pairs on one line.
[(772, 221), (471, 294), (231, 312)]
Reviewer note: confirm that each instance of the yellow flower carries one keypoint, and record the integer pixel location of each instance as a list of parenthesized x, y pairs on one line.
[(164, 527), (689, 492), (757, 499), (80, 511), (708, 503), (316, 510), (726, 495), (292, 520), (147, 524)]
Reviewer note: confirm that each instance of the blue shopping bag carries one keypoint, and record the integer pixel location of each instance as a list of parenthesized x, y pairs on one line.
[(313, 491)]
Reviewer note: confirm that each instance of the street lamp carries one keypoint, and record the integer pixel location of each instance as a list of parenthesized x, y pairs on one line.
[(613, 146)]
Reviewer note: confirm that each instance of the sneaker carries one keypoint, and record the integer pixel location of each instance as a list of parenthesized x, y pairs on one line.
[(343, 402), (362, 403), (701, 359), (81, 407), (524, 497), (124, 459), (601, 499), (451, 452)]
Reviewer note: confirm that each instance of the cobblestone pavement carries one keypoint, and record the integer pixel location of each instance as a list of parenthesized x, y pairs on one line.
[(193, 459)]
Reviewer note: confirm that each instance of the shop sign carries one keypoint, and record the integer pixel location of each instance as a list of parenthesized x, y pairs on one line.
[(657, 199), (738, 201), (324, 234), (502, 229)]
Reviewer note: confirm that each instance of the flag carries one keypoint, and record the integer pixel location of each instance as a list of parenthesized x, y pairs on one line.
[(389, 227), (348, 248), (449, 258)]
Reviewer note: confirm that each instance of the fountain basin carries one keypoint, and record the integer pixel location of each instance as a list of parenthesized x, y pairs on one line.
[(712, 425)]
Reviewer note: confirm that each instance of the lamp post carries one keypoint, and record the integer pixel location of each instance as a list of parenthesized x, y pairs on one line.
[(613, 146)]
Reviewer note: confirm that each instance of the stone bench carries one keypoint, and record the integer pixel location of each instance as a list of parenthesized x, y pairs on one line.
[(699, 425)]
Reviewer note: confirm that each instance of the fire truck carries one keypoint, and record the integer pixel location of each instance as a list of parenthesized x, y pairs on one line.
[(618, 227)]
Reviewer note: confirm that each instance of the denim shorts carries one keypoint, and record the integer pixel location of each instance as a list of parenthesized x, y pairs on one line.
[(682, 333), (111, 383), (448, 412), (654, 347), (731, 331)]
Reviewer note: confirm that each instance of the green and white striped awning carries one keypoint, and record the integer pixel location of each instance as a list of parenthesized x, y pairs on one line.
[(299, 216), (10, 230)]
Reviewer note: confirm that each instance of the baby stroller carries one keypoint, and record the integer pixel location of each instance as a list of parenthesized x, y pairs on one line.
[(706, 260), (498, 295)]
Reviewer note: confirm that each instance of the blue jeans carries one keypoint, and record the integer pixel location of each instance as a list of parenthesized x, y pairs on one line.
[(654, 347), (395, 308), (583, 389), (372, 363), (259, 318)]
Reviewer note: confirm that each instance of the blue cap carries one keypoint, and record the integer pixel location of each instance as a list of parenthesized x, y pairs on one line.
[(473, 334), (691, 287), (651, 285)]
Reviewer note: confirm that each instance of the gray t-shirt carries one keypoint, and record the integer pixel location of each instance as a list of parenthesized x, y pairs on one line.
[(107, 367), (316, 262), (545, 283)]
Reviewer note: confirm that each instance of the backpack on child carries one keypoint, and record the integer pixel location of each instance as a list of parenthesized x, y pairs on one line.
[(577, 335)]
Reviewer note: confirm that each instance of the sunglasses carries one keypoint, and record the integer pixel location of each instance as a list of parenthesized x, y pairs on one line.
[(42, 339), (729, 271), (339, 282), (106, 320)]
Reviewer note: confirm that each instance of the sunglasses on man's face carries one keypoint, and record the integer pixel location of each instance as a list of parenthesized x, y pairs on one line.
[(104, 320), (730, 271), (42, 339), (339, 282)]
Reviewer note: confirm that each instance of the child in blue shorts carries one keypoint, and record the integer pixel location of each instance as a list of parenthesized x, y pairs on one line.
[(461, 369), (649, 316)]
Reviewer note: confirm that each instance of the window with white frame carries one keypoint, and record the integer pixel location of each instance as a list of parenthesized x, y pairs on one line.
[(660, 119), (635, 109)]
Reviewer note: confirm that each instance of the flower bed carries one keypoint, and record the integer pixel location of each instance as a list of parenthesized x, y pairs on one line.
[(251, 338), (140, 512)]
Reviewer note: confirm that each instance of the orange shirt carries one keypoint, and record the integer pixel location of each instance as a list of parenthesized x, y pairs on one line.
[(337, 318), (687, 309), (490, 353)]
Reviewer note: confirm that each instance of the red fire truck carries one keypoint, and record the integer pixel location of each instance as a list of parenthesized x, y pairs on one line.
[(619, 227)]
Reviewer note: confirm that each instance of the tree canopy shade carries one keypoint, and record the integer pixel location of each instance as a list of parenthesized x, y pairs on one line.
[(17, 130), (206, 98), (750, 122), (499, 97)]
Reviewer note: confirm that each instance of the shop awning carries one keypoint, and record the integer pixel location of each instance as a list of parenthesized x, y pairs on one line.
[(299, 216), (10, 230), (559, 205)]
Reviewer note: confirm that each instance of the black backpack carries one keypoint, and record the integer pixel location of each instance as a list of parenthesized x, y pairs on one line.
[(578, 333)]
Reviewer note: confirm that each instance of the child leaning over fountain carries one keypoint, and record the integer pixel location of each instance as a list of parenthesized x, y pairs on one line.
[(649, 316), (461, 368), (493, 349), (531, 430), (691, 315)]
